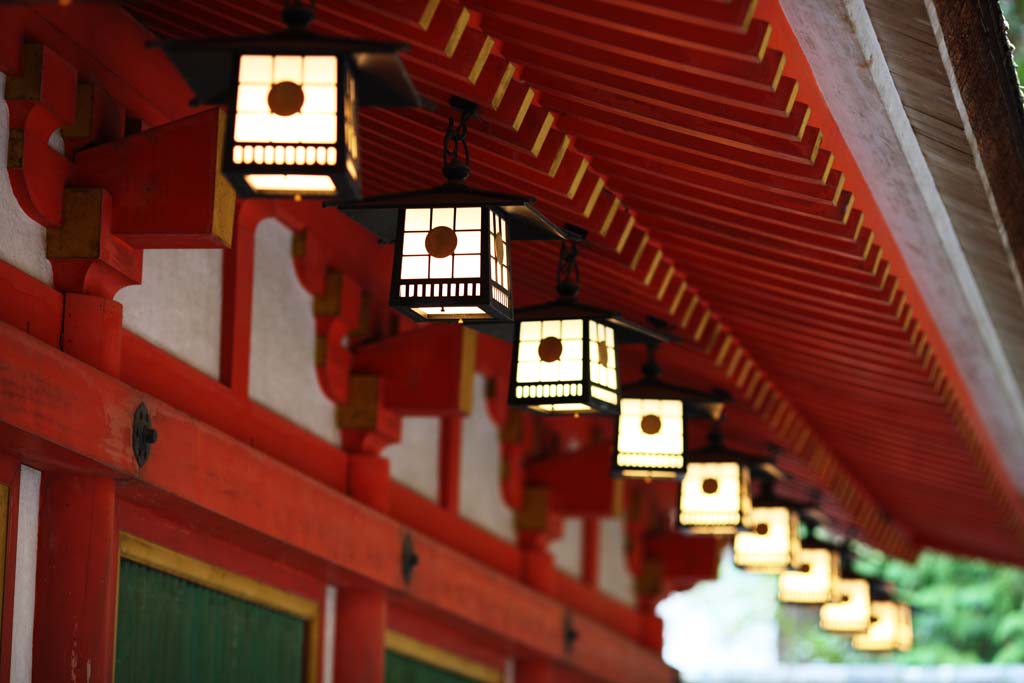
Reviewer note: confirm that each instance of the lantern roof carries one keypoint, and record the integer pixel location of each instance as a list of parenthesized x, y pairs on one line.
[(381, 214), (208, 64)]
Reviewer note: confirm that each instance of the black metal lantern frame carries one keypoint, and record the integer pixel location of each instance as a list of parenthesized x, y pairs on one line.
[(564, 356), (452, 252), (710, 505), (292, 100), (650, 433)]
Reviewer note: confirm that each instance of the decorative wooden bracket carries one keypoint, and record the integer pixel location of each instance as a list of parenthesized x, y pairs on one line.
[(367, 424), (40, 94), (166, 183), (337, 313), (417, 367)]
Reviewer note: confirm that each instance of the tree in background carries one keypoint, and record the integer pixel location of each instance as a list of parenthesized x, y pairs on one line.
[(1013, 10), (965, 611)]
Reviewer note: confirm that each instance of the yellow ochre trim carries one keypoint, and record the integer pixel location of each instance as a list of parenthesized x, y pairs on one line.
[(467, 369), (407, 646), (580, 172), (429, 10), (524, 107), (556, 163), (542, 136), (460, 28), (670, 272), (679, 297), (655, 262), (624, 237), (610, 216), (481, 59), (639, 251), (506, 78)]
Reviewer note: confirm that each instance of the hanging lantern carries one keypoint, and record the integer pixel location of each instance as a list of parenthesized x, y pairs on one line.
[(891, 628), (850, 608), (815, 570), (452, 242), (292, 100), (769, 539), (564, 357), (714, 495), (651, 429)]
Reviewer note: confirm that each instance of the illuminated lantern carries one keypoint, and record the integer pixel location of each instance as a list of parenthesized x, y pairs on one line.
[(850, 608), (564, 359), (815, 569), (891, 628), (651, 429), (452, 242), (292, 100), (769, 539), (714, 495)]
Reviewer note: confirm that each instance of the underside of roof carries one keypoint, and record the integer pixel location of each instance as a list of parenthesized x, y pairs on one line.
[(691, 140)]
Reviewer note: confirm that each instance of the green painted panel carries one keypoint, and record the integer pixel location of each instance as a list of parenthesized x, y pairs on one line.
[(401, 669), (174, 631)]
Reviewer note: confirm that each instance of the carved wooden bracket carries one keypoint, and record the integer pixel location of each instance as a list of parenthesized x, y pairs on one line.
[(40, 94), (164, 182)]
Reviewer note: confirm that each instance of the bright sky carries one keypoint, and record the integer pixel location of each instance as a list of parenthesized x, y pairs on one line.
[(728, 623)]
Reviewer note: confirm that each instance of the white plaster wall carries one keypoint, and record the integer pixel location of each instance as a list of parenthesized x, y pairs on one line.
[(282, 360), (567, 551), (480, 498), (415, 459), (23, 621), (329, 630), (22, 240), (178, 305), (613, 575)]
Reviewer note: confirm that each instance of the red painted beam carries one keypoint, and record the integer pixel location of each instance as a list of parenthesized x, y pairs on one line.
[(216, 474)]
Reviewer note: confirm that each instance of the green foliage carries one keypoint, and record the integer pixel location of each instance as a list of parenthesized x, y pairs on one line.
[(1013, 10), (965, 611)]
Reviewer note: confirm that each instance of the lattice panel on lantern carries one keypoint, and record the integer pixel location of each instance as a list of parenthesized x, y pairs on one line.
[(713, 497), (650, 436), (817, 569)]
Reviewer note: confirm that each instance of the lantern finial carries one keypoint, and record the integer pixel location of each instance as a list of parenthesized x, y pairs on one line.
[(456, 151), (298, 14), (568, 271)]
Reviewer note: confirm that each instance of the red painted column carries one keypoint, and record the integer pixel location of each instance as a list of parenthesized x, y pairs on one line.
[(236, 303), (451, 453), (530, 670), (76, 580), (359, 647)]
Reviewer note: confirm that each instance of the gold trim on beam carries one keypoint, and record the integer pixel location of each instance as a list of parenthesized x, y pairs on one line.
[(598, 188), (457, 31), (778, 72), (542, 135), (639, 251), (556, 163), (679, 297), (506, 78), (655, 262), (670, 272), (763, 47), (464, 667), (481, 59), (524, 107), (429, 10), (580, 172), (624, 237), (610, 216)]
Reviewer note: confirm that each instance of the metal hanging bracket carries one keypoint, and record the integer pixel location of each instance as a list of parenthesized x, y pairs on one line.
[(409, 559), (143, 434)]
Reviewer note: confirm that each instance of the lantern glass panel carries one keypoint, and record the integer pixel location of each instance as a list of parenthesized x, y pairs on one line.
[(286, 121), (850, 609), (446, 267), (891, 628), (569, 360), (768, 544), (650, 439), (811, 582), (714, 497)]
